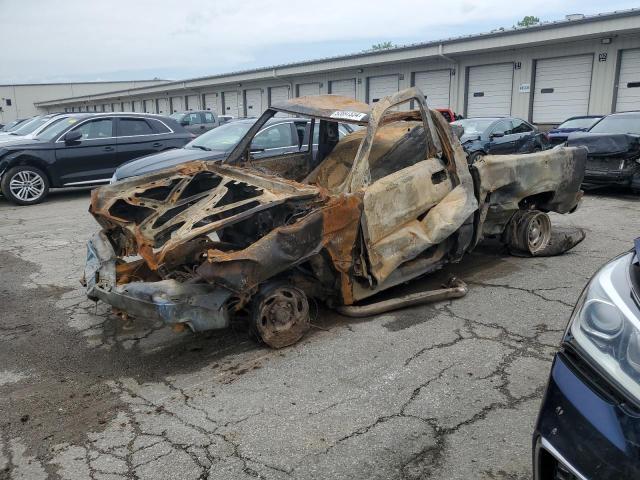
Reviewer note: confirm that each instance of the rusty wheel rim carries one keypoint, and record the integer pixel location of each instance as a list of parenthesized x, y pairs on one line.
[(283, 317), (538, 233)]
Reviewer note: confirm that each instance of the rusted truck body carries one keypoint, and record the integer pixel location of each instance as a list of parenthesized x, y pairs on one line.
[(200, 243)]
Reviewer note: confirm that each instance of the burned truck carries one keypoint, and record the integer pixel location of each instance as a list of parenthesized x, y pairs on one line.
[(202, 243)]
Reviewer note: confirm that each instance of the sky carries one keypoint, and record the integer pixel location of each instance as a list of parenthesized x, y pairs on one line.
[(97, 40)]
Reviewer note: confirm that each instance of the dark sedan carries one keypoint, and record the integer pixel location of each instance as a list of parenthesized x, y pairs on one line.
[(613, 146), (81, 150), (589, 421), (560, 134), (499, 136), (279, 136)]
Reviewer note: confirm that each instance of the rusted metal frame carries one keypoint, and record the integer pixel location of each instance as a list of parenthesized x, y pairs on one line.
[(360, 174)]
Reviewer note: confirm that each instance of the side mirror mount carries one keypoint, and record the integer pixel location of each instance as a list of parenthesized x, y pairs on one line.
[(497, 135), (184, 123), (72, 136)]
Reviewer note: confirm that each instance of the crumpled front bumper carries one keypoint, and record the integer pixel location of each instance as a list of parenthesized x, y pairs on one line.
[(200, 306)]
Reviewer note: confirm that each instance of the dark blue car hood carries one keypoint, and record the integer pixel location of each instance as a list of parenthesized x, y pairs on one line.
[(169, 158), (565, 131)]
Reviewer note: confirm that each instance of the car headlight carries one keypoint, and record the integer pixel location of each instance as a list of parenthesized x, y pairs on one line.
[(605, 327)]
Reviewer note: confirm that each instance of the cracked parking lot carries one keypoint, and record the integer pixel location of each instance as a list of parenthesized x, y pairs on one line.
[(448, 390)]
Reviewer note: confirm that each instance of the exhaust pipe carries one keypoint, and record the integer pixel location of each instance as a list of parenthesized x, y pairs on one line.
[(454, 288)]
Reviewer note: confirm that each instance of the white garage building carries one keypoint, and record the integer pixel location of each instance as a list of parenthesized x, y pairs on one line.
[(544, 73)]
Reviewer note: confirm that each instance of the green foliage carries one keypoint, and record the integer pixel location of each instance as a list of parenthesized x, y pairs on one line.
[(528, 21), (383, 46)]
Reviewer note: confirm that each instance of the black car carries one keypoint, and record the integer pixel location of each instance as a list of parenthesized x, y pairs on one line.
[(499, 136), (613, 146), (560, 134), (279, 136), (82, 149), (589, 421)]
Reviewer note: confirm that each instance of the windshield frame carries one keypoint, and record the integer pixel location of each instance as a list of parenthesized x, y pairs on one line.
[(591, 120), (193, 144), (489, 122)]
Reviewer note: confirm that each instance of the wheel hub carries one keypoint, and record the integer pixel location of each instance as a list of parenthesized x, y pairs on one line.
[(283, 316), (26, 185)]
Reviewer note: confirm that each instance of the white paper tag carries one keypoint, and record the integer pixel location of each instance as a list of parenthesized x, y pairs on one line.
[(345, 115)]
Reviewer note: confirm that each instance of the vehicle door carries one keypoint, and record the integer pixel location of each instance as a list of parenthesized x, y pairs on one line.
[(501, 138), (278, 148), (209, 121), (90, 159), (525, 136), (137, 138)]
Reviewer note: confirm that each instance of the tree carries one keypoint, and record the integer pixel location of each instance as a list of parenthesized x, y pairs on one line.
[(528, 21), (382, 46)]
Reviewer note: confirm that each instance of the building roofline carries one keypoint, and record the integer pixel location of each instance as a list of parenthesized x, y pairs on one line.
[(91, 82), (499, 32)]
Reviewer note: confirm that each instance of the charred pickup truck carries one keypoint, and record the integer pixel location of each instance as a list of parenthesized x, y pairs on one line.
[(202, 243)]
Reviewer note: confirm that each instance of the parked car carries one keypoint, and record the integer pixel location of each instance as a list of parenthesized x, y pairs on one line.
[(589, 421), (560, 134), (279, 136), (197, 121), (199, 243), (29, 128), (498, 136), (9, 127), (614, 149), (448, 114), (81, 149)]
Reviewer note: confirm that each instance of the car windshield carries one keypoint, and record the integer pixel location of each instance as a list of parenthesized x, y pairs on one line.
[(30, 126), (618, 124), (56, 128), (474, 126), (223, 138), (11, 126), (579, 123)]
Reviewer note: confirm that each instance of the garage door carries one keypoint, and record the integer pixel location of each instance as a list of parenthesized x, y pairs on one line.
[(126, 106), (137, 106), (230, 103), (253, 102), (177, 104), (562, 88), (278, 94), (162, 106), (629, 81), (346, 88), (380, 87), (436, 86), (210, 101), (490, 90), (106, 107), (192, 102), (149, 106), (308, 89)]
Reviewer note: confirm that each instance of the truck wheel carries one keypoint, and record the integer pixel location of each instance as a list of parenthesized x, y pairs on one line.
[(280, 314), (25, 185), (529, 231)]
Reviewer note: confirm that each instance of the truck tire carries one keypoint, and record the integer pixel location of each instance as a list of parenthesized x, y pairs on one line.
[(25, 185), (279, 314), (528, 232)]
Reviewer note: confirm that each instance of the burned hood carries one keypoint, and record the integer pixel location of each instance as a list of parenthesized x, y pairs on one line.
[(604, 144), (152, 214)]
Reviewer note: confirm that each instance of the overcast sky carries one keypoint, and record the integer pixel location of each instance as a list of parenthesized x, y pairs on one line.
[(84, 40)]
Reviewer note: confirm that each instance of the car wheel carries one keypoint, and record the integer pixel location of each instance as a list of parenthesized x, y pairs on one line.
[(25, 185), (280, 314), (529, 231), (474, 157)]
